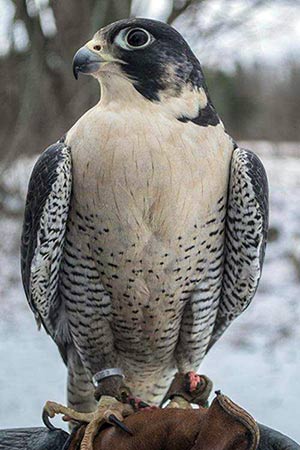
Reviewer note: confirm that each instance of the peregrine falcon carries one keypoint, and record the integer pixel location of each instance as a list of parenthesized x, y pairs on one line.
[(145, 226)]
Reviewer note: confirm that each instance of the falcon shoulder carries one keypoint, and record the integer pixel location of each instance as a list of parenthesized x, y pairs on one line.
[(44, 226), (245, 237)]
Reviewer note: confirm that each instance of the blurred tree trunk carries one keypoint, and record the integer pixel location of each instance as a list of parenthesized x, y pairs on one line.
[(44, 100)]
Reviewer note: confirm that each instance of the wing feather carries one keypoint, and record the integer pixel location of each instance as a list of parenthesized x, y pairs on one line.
[(44, 226), (245, 238)]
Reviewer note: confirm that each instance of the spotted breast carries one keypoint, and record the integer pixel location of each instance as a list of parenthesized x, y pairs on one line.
[(147, 225)]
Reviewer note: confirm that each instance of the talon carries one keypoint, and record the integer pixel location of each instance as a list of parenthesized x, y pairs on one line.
[(138, 404), (115, 421), (46, 421), (109, 410), (143, 404)]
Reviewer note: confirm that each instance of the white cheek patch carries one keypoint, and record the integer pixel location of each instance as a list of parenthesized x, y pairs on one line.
[(187, 104)]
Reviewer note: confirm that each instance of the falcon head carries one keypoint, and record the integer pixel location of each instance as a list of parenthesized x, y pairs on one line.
[(150, 55)]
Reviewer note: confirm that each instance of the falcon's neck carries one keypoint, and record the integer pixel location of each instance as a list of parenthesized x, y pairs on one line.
[(118, 92)]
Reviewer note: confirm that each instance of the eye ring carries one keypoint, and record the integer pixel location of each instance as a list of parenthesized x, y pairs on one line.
[(130, 35), (126, 35)]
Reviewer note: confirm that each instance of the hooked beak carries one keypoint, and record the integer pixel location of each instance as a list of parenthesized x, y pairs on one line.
[(86, 61)]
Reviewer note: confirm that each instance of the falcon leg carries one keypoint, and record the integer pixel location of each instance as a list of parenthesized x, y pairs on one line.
[(79, 387), (187, 389), (115, 402), (109, 410)]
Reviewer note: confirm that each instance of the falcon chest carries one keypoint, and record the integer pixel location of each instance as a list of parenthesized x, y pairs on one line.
[(144, 187)]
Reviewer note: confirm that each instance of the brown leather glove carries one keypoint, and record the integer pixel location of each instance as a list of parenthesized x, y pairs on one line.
[(222, 426)]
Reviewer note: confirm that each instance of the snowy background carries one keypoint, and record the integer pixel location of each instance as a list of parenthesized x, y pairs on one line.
[(256, 363)]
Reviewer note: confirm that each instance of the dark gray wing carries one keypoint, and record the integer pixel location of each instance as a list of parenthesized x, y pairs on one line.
[(245, 238), (46, 213)]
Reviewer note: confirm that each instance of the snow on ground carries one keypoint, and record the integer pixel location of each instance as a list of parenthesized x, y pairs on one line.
[(257, 362)]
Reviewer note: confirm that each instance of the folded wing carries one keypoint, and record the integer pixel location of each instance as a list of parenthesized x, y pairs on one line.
[(46, 214), (245, 239)]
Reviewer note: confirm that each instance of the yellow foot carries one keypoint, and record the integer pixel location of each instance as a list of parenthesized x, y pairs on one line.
[(179, 402), (109, 410)]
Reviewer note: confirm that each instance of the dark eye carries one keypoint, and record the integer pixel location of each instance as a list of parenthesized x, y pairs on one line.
[(138, 38)]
